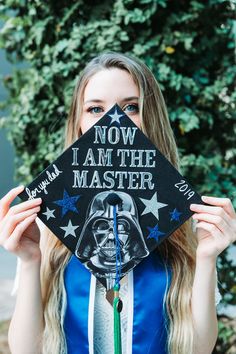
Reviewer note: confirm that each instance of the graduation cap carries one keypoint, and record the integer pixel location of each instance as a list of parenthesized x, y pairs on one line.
[(112, 197)]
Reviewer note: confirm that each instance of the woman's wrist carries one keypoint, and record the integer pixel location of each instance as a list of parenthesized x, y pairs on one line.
[(31, 263), (207, 260)]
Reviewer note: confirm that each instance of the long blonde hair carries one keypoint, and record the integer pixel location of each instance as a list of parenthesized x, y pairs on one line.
[(178, 250)]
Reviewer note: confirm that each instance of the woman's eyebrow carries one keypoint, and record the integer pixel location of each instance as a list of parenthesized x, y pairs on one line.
[(94, 100), (126, 99), (130, 98)]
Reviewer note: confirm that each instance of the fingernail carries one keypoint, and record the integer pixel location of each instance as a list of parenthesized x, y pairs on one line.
[(21, 187), (193, 206)]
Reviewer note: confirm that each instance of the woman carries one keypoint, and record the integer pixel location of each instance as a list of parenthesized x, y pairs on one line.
[(41, 323)]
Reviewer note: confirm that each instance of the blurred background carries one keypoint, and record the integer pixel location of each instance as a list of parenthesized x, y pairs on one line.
[(189, 45), (7, 260)]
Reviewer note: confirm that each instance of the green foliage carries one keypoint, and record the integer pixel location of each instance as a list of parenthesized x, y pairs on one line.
[(189, 45), (227, 336)]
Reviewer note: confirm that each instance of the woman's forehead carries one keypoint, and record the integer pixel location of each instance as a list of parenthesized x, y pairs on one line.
[(108, 83)]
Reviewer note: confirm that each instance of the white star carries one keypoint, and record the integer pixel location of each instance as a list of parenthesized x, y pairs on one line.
[(152, 206), (69, 229), (115, 117), (49, 213)]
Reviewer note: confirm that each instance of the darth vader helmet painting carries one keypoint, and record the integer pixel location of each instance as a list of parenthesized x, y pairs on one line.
[(96, 247)]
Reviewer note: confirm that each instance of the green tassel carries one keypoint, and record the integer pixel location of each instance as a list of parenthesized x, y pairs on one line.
[(117, 326)]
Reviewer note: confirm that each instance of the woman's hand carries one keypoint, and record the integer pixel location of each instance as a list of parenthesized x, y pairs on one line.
[(19, 233), (216, 226)]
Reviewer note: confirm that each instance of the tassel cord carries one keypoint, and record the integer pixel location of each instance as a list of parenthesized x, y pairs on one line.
[(118, 252), (117, 304)]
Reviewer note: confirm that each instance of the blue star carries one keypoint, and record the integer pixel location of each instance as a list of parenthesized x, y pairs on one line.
[(154, 232), (175, 214), (67, 203)]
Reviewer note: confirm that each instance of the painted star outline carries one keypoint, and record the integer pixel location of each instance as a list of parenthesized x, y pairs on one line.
[(154, 232), (115, 117), (152, 206), (175, 215), (67, 203), (49, 213), (69, 229)]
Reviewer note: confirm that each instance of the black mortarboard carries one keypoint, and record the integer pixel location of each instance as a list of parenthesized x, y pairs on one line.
[(112, 189)]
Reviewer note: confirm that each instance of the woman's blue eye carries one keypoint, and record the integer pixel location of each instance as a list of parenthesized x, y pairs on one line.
[(132, 108), (95, 110)]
